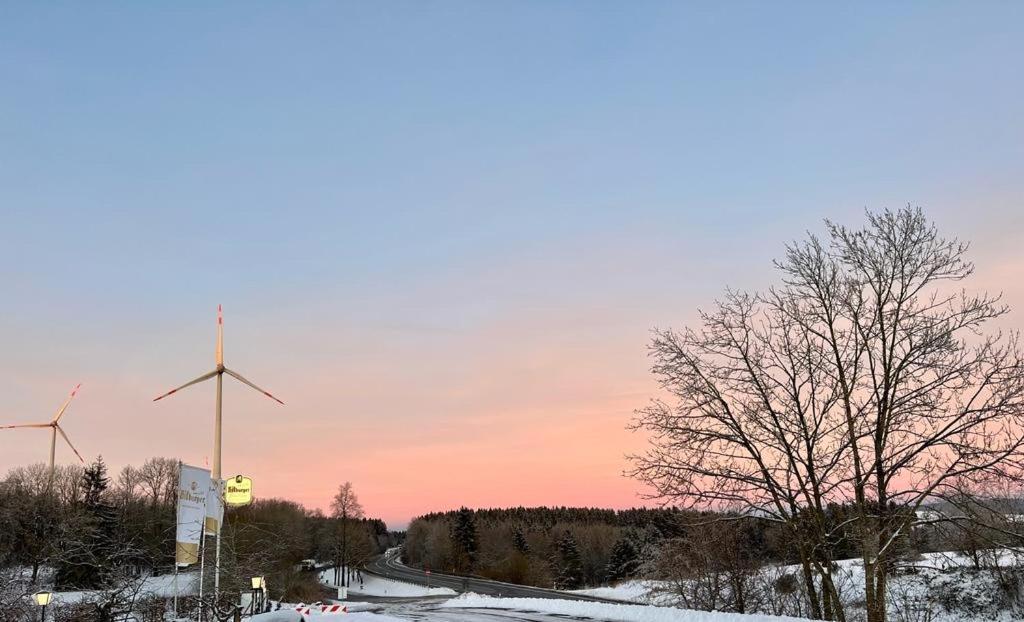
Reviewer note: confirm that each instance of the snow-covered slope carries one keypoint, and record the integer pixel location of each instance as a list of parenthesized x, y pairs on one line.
[(632, 591), (939, 587)]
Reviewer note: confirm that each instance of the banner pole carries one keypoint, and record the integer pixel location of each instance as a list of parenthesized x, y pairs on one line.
[(202, 572), (216, 565), (219, 483), (176, 545), (175, 589)]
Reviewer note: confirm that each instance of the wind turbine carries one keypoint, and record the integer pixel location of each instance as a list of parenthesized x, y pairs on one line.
[(54, 429), (218, 372)]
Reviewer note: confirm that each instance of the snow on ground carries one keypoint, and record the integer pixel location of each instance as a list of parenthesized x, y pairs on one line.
[(360, 616), (606, 611), (633, 591), (290, 615), (381, 587), (944, 587), (161, 586)]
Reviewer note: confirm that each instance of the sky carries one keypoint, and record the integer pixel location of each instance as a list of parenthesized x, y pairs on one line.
[(443, 231)]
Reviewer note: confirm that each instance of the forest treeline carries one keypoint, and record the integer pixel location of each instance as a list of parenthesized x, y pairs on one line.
[(89, 530), (697, 560), (569, 548)]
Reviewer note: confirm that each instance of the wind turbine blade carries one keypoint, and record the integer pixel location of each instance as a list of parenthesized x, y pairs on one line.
[(244, 381), (60, 413), (220, 336), (187, 384), (68, 441), (24, 425)]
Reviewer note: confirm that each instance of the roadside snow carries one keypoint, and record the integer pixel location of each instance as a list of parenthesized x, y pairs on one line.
[(606, 611), (360, 616), (633, 591), (290, 615), (381, 587), (284, 615)]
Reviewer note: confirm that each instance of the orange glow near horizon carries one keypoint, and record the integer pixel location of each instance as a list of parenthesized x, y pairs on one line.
[(529, 408), (535, 420)]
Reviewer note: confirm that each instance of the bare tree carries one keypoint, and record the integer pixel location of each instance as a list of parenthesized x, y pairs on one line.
[(345, 507), (157, 478), (754, 426), (127, 485), (863, 378), (712, 568)]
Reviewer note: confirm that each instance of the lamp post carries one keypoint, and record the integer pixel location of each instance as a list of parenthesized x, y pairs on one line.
[(42, 599)]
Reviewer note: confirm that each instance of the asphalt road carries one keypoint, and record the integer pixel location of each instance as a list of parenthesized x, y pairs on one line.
[(389, 567)]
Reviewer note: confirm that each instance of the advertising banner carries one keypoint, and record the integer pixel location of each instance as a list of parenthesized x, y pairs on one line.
[(214, 507), (193, 487)]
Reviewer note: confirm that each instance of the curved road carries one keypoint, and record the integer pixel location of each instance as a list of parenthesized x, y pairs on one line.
[(388, 566)]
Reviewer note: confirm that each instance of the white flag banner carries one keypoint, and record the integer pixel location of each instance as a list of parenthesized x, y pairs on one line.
[(214, 507), (193, 487)]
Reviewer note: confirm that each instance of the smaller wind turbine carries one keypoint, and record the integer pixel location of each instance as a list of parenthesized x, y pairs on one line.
[(54, 429)]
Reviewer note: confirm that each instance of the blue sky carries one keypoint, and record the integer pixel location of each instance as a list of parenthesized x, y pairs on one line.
[(406, 193)]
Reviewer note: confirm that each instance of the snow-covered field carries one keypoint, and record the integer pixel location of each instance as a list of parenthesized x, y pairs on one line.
[(161, 586), (944, 587), (385, 588), (605, 611)]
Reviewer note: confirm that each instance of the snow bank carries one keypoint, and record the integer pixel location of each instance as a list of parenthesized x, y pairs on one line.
[(606, 611), (381, 587), (360, 616), (284, 615), (290, 615), (634, 591)]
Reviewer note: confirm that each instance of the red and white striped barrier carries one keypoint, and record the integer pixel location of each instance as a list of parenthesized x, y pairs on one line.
[(321, 609)]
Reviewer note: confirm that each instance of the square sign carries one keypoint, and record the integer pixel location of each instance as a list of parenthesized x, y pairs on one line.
[(238, 491)]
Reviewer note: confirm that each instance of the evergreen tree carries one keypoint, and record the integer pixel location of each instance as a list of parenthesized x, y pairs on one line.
[(570, 564), (95, 483), (624, 560), (464, 535), (519, 540), (90, 543)]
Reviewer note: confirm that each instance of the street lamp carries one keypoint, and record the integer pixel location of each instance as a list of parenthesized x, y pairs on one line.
[(42, 599), (258, 583)]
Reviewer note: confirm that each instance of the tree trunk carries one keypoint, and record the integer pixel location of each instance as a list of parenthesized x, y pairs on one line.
[(874, 590), (833, 604), (812, 590), (344, 550), (738, 595)]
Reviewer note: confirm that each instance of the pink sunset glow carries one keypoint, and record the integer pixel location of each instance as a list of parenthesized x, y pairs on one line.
[(521, 407)]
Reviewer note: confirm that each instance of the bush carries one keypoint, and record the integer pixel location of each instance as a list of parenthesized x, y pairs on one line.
[(150, 609)]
